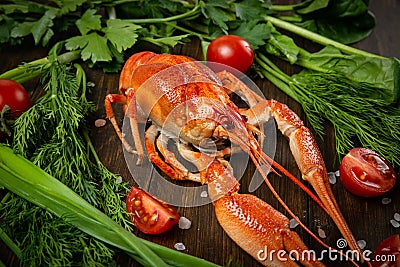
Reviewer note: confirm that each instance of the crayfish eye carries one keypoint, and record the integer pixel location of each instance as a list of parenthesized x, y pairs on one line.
[(229, 125), (225, 122)]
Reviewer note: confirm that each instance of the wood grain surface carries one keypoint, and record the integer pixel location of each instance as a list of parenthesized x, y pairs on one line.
[(369, 219)]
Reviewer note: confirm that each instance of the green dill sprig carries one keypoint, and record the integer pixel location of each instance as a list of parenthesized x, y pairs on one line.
[(51, 135), (356, 115), (351, 110)]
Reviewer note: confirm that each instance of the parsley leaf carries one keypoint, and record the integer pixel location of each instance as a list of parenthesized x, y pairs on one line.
[(22, 29), (42, 28), (216, 11), (89, 21), (94, 47), (121, 34), (68, 6), (255, 33), (249, 9)]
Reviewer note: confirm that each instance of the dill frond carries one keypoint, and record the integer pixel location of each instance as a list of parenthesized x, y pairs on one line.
[(352, 109), (52, 135)]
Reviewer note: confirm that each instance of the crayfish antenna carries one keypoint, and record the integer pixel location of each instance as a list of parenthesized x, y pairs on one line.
[(289, 211)]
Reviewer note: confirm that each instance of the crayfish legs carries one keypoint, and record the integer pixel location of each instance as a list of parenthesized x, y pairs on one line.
[(302, 145), (254, 225), (310, 162)]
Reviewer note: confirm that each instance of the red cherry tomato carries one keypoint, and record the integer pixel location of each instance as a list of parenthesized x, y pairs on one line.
[(14, 95), (231, 50), (388, 253), (150, 215), (365, 173)]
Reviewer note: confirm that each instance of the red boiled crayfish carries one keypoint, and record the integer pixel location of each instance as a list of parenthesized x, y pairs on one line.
[(192, 103)]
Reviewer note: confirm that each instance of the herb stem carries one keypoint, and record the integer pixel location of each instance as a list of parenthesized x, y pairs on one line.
[(292, 18), (199, 35), (3, 235), (30, 70), (9, 243), (276, 76), (90, 145), (282, 8), (4, 199), (316, 37), (190, 13)]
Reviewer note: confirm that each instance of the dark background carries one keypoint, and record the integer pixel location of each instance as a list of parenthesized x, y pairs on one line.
[(369, 219)]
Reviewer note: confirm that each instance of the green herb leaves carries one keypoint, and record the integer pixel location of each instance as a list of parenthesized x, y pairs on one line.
[(95, 41), (89, 21), (94, 47), (381, 73), (121, 34), (41, 29), (52, 136), (31, 18), (346, 21), (354, 110)]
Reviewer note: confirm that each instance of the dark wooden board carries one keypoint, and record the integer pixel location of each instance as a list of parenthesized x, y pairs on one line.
[(368, 218)]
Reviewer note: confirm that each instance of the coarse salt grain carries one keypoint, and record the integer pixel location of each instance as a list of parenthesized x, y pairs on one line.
[(91, 84), (337, 173), (203, 194), (119, 180), (395, 223), (332, 177), (184, 223), (179, 246), (293, 223), (100, 122), (386, 200), (396, 216), (362, 243), (321, 233)]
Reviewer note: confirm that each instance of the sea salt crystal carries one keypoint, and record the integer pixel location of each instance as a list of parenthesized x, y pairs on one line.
[(321, 233), (293, 223), (179, 246), (362, 243), (395, 223), (386, 200), (396, 216), (119, 180), (337, 173), (203, 194), (100, 122), (184, 223), (332, 177)]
